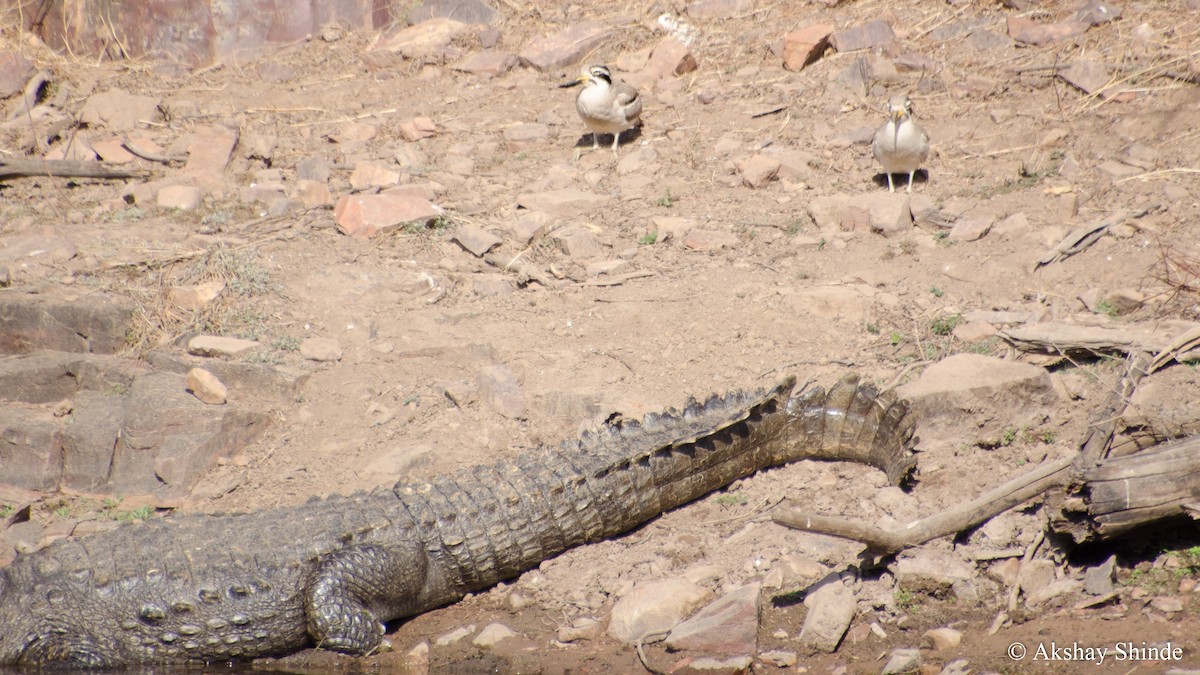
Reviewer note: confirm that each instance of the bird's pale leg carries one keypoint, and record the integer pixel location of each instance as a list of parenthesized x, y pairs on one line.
[(891, 187), (910, 177), (595, 140), (616, 143)]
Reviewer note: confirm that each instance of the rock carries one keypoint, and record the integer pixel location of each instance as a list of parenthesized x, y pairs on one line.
[(88, 438), (654, 607), (487, 62), (417, 658), (117, 110), (779, 658), (112, 150), (314, 168), (727, 626), (1125, 300), (63, 322), (1005, 393), (417, 128), (321, 349), (669, 58), (804, 46), (369, 175), (1029, 32), (831, 608), (567, 46), (195, 297), (671, 227), (641, 159), (970, 229), (349, 133), (841, 302), (583, 628), (709, 240), (364, 216), (169, 438), (930, 571), (886, 213), (874, 33), (608, 267), (826, 211), (758, 170), (940, 639), (427, 38), (473, 12), (902, 661), (1168, 604), (1087, 76), (29, 449), (562, 203), (578, 242), (1097, 12), (525, 135), (1013, 227), (708, 665), (15, 71), (491, 635), (253, 381), (206, 387), (499, 388), (214, 345), (1098, 580), (454, 635), (209, 152), (718, 9), (312, 193), (1035, 576), (475, 240)]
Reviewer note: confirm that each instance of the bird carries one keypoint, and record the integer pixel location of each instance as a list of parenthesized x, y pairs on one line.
[(606, 107), (901, 145)]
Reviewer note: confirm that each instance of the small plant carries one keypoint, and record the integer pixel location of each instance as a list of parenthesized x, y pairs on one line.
[(665, 200), (286, 343), (1106, 308), (732, 499), (937, 292), (63, 511), (873, 328), (442, 222), (649, 238), (896, 337), (821, 244), (7, 510), (908, 246), (1048, 436), (117, 389), (1008, 436), (946, 324), (140, 513), (905, 599), (792, 228)]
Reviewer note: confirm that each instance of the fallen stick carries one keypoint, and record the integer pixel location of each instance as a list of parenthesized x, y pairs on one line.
[(62, 168), (1082, 237)]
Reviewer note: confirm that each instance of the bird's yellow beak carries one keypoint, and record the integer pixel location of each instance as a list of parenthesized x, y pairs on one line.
[(582, 79), (898, 114)]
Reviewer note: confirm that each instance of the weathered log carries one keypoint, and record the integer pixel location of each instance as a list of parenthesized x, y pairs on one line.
[(1125, 493), (62, 168)]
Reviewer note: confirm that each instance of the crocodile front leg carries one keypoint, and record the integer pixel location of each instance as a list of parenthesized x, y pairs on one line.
[(355, 589)]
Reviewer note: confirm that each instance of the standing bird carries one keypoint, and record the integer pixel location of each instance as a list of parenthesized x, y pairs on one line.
[(606, 107), (901, 145)]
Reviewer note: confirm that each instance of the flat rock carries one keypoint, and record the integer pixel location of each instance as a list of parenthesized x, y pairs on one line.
[(216, 345), (758, 170), (209, 152), (563, 202), (182, 197), (840, 302), (887, 213), (671, 227), (117, 110), (1040, 34), (88, 437), (831, 608), (206, 387), (698, 239), (29, 448), (902, 661), (371, 174), (971, 229), (669, 58), (321, 349), (874, 33), (364, 216), (578, 241), (423, 39), (1035, 576), (475, 240), (499, 388), (718, 9), (417, 128), (312, 193), (63, 322), (931, 571), (487, 62), (567, 46), (711, 665), (1005, 393), (941, 639), (15, 71), (806, 45), (112, 150), (727, 626), (654, 607), (492, 634)]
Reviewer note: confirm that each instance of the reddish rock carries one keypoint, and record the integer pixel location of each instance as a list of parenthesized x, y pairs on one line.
[(34, 321), (117, 110), (564, 202), (424, 39), (195, 297), (718, 9), (369, 175), (15, 71), (670, 58), (209, 152), (353, 132), (578, 242), (709, 240), (1030, 32), (727, 626), (475, 240), (758, 170), (112, 151), (875, 33), (526, 135), (364, 216), (206, 387), (29, 448), (567, 46), (806, 45), (182, 197), (487, 62), (311, 193), (417, 128)]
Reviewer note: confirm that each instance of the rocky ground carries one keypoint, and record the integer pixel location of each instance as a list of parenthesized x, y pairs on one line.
[(377, 259)]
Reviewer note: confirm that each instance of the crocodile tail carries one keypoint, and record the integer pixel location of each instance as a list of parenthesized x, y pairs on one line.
[(854, 421)]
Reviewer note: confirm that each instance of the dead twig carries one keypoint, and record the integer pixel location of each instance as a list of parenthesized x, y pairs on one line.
[(1082, 237), (994, 502), (63, 168), (150, 156)]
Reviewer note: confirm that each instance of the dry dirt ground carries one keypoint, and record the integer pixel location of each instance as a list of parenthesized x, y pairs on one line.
[(416, 315)]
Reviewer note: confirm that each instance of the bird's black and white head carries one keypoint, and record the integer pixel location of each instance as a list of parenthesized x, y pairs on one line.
[(592, 76), (900, 108)]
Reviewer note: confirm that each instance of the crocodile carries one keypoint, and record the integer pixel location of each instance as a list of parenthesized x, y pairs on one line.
[(330, 573)]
